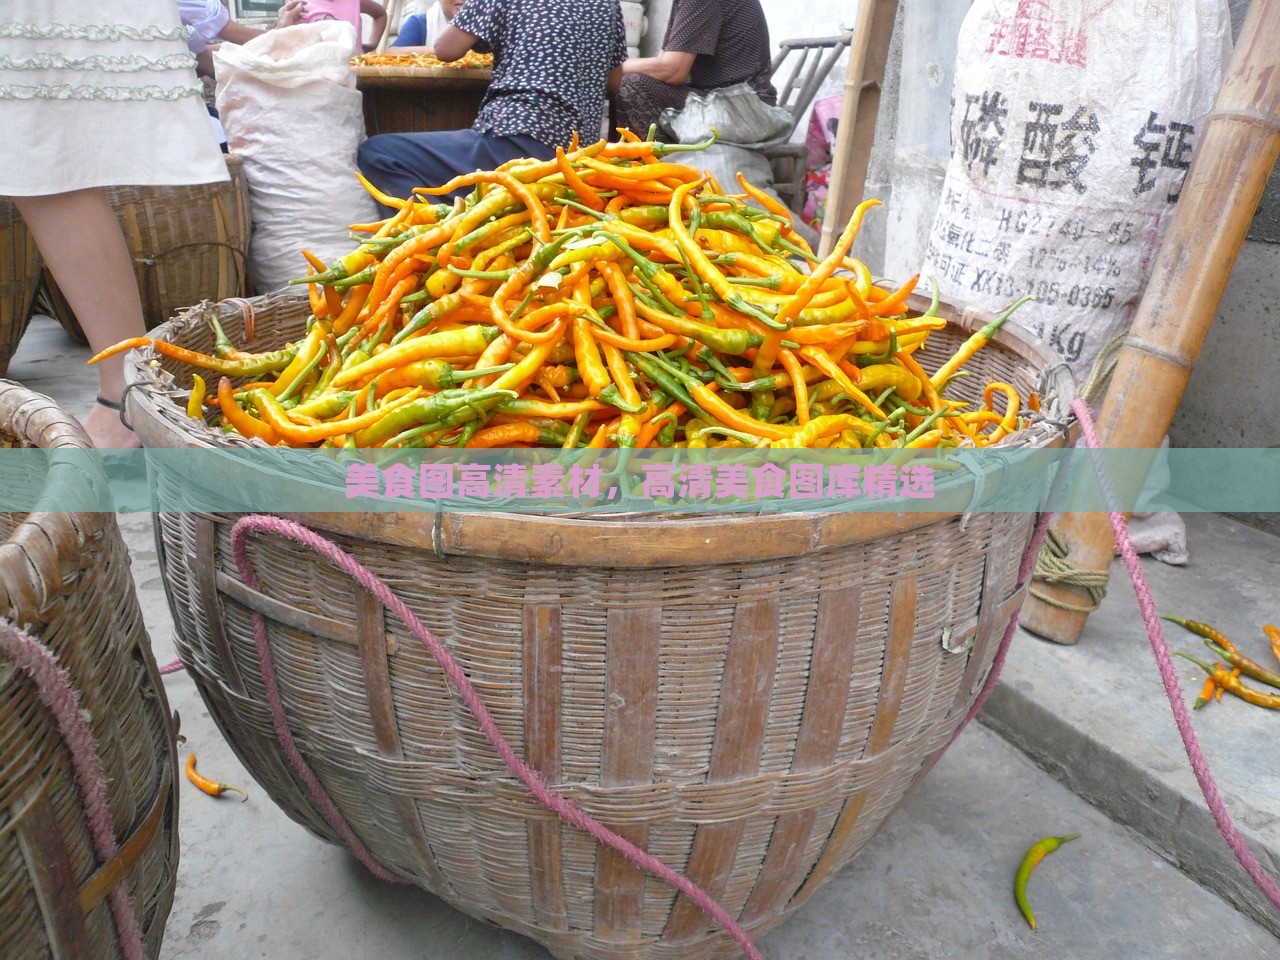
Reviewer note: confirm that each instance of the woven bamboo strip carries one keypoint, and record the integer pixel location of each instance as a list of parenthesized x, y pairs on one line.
[(19, 278)]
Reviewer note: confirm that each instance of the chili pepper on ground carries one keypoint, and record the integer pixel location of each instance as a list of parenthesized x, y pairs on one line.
[(1206, 693), (1037, 852), (212, 787), (1203, 630), (1250, 668), (1218, 642), (1273, 634), (1232, 684)]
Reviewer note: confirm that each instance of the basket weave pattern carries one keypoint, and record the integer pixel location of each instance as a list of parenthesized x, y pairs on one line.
[(749, 711), (65, 578), (188, 244), (19, 278)]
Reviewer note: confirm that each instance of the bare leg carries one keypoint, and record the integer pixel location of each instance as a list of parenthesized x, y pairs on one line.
[(81, 243)]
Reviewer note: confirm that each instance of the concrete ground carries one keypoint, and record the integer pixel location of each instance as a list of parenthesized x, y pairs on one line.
[(1075, 739)]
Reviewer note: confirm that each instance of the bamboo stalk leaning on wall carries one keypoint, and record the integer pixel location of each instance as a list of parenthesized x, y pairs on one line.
[(856, 129)]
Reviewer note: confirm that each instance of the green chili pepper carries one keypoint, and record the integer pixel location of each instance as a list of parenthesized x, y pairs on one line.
[(579, 425), (731, 340), (870, 359), (651, 367), (365, 276), (324, 407), (429, 315), (446, 408), (1038, 851)]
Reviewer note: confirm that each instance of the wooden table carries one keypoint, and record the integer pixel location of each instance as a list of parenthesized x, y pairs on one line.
[(421, 99)]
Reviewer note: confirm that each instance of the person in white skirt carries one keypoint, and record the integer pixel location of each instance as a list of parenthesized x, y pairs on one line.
[(91, 96)]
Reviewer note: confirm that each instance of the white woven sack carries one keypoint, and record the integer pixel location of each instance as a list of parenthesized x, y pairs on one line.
[(1072, 127), (289, 103)]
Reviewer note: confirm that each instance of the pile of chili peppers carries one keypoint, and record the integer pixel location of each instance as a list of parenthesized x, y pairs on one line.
[(469, 60), (606, 298), (1220, 678)]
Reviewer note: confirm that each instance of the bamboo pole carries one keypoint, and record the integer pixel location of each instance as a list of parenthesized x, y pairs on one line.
[(855, 131), (1228, 174)]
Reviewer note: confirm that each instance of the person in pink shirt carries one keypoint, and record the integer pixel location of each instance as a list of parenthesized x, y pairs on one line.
[(350, 11)]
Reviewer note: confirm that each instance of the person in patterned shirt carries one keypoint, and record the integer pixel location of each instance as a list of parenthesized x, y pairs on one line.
[(554, 62), (709, 44)]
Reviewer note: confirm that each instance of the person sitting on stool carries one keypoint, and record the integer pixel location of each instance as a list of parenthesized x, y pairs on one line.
[(553, 63), (709, 44)]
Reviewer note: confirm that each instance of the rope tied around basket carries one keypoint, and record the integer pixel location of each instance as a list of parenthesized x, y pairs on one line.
[(533, 780), (60, 697)]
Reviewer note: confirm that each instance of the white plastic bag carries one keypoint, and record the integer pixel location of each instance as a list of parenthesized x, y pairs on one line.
[(1072, 128), (289, 103), (741, 117)]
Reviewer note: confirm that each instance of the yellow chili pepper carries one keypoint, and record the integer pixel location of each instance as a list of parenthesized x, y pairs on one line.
[(1038, 851), (195, 403), (212, 787)]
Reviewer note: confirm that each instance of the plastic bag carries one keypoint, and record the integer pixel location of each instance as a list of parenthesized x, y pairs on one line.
[(289, 104), (741, 117), (820, 142)]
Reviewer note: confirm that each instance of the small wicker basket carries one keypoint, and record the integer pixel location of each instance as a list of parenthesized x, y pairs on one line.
[(64, 578), (188, 244), (747, 698), (19, 278)]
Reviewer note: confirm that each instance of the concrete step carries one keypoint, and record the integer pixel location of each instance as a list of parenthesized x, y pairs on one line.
[(1095, 715)]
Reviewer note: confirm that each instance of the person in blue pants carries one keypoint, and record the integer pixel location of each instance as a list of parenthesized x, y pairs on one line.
[(554, 64)]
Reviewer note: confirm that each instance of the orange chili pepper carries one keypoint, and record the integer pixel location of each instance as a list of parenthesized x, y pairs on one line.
[(585, 193), (332, 299), (212, 787), (1273, 634), (244, 424), (505, 434)]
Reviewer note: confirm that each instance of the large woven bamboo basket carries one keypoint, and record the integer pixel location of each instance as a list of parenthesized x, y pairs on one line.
[(188, 244), (19, 278), (747, 698), (64, 578)]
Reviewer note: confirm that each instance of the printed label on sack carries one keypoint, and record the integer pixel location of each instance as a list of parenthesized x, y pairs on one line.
[(1073, 126)]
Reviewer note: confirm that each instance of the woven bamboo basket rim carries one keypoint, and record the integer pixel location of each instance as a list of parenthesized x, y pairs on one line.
[(155, 404), (50, 427)]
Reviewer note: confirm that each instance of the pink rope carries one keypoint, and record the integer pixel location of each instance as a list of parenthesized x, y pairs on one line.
[(172, 667), (59, 695), (530, 777), (1168, 676)]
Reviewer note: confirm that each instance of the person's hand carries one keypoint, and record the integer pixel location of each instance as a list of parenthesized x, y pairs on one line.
[(292, 12)]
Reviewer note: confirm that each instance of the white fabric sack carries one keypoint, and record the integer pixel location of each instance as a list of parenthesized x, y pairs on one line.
[(634, 22), (289, 103), (1072, 128)]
